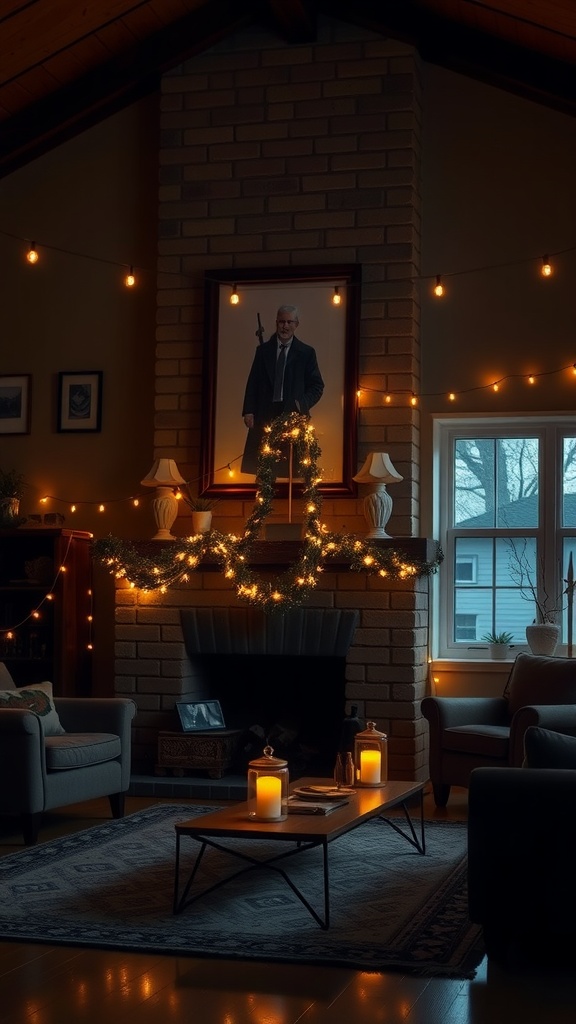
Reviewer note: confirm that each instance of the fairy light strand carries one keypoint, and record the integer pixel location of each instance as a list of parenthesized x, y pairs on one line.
[(173, 565)]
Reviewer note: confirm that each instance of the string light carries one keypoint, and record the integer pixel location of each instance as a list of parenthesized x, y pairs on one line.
[(546, 269), (35, 613), (234, 297), (130, 280), (32, 254), (439, 287), (411, 399), (336, 298), (232, 553)]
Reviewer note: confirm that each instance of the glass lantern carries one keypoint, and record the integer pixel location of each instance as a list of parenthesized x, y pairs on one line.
[(268, 787), (371, 757)]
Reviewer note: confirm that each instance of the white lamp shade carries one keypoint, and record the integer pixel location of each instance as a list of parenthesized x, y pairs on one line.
[(377, 469), (164, 473)]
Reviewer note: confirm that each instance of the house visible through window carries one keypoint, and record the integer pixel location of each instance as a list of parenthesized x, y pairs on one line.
[(505, 501), (465, 627)]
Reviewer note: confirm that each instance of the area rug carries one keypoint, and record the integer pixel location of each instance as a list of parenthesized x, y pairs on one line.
[(111, 887)]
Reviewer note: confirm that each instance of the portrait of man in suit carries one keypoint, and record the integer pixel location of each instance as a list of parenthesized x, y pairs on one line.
[(284, 378)]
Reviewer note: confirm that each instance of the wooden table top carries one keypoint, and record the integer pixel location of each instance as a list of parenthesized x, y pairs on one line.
[(364, 803)]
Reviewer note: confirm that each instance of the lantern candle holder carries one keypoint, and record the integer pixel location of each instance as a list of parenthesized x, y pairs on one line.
[(371, 757), (268, 787)]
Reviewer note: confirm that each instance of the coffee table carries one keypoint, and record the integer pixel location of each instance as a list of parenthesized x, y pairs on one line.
[(302, 831)]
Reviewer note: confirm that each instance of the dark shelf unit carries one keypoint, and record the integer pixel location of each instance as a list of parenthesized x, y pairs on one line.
[(46, 608)]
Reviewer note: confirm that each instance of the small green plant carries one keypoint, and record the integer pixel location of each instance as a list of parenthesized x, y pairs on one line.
[(498, 638), (11, 484), (200, 504)]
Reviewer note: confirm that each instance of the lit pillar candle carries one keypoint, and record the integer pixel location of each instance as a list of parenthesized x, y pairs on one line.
[(268, 797), (370, 764)]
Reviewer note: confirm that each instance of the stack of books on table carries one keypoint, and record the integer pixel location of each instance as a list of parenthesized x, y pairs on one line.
[(318, 799)]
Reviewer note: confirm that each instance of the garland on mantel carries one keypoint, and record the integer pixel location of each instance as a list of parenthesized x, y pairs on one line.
[(173, 564)]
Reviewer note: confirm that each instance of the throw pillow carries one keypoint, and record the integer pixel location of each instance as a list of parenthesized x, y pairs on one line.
[(38, 698), (547, 749), (539, 680)]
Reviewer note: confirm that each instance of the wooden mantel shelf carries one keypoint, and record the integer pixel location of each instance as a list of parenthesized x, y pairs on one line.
[(278, 554)]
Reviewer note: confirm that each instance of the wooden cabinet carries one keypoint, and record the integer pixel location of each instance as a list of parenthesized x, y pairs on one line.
[(46, 608)]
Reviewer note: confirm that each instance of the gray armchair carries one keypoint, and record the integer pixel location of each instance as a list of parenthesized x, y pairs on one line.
[(86, 755), (474, 732)]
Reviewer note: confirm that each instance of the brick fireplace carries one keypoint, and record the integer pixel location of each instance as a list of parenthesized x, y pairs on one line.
[(386, 667), (278, 156)]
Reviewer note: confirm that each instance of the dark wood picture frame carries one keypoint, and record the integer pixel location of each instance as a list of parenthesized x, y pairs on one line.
[(231, 340), (80, 401), (15, 403)]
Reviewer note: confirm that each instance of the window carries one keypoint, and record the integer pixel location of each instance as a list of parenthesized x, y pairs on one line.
[(465, 627), (505, 515), (466, 569)]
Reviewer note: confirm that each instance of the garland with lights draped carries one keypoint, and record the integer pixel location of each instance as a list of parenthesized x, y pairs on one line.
[(232, 553)]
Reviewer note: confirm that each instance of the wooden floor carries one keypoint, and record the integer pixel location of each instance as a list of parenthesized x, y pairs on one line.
[(66, 985)]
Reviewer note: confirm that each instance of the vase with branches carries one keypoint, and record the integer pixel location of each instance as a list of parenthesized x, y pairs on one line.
[(529, 575), (530, 578)]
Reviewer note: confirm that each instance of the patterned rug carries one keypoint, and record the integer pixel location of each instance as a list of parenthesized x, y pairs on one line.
[(111, 887)]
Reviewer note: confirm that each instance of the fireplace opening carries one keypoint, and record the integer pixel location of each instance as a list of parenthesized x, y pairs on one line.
[(294, 703), (280, 679)]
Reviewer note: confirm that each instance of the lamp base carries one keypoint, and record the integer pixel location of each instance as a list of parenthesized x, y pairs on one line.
[(377, 510), (165, 509), (378, 533)]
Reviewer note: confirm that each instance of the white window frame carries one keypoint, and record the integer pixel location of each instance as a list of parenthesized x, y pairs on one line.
[(549, 533)]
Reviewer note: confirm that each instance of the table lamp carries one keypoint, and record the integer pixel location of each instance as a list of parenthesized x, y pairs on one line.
[(165, 477), (379, 471)]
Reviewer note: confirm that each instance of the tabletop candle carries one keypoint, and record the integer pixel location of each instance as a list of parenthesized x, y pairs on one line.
[(268, 797), (370, 764)]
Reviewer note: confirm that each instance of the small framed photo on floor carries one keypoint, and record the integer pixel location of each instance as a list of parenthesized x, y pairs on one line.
[(15, 403), (80, 401)]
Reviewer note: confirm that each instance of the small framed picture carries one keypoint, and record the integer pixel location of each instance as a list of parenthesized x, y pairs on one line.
[(15, 403), (200, 715), (80, 401)]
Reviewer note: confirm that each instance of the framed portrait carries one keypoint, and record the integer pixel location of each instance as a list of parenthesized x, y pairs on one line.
[(80, 401), (15, 403), (234, 332)]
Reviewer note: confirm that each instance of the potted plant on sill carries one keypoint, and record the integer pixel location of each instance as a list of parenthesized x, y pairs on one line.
[(202, 509), (498, 644), (11, 493)]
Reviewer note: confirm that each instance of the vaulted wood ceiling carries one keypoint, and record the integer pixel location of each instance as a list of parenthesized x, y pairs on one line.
[(66, 64)]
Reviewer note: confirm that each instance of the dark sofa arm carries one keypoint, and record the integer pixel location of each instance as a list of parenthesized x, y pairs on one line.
[(521, 841), (22, 760), (450, 712)]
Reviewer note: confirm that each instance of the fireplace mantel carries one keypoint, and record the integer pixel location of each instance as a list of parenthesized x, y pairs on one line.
[(278, 554)]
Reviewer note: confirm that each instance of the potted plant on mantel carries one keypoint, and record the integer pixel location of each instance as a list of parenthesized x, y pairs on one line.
[(543, 634), (498, 644), (202, 509), (11, 493)]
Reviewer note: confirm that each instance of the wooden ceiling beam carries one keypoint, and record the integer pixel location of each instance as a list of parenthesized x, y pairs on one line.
[(52, 120), (478, 54)]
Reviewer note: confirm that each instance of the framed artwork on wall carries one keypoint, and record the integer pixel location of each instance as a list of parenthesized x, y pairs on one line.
[(15, 403), (235, 330), (79, 401)]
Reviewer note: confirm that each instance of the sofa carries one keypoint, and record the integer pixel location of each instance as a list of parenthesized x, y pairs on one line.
[(521, 854), (56, 751)]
